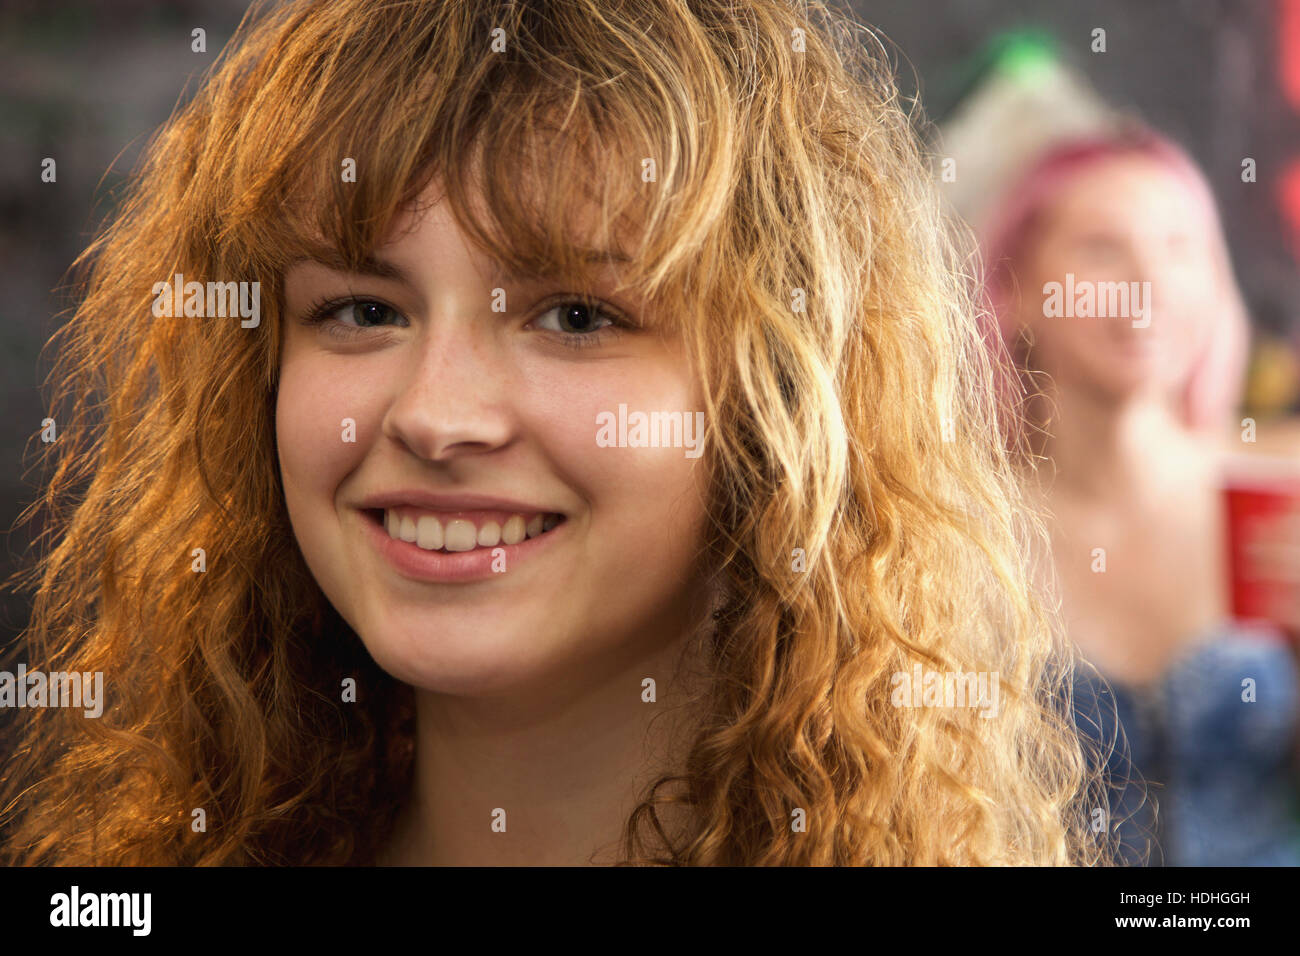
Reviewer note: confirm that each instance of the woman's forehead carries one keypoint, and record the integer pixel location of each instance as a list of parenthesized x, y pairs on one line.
[(583, 248), (1134, 189)]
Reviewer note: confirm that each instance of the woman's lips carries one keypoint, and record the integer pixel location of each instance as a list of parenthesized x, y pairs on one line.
[(459, 563)]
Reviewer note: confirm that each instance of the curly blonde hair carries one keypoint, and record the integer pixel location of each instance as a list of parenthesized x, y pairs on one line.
[(790, 227)]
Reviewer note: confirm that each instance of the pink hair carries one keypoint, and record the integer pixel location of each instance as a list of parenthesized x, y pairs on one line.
[(1214, 383)]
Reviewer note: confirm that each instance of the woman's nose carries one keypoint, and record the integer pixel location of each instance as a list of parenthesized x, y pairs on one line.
[(453, 396)]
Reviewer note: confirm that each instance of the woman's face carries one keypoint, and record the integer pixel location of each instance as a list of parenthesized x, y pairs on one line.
[(1125, 220), (458, 408)]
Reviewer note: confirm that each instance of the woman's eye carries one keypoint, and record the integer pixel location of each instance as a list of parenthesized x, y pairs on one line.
[(574, 318), (365, 313), (338, 315), (1098, 247)]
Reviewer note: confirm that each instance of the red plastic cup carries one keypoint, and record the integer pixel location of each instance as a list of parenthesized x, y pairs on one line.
[(1262, 499)]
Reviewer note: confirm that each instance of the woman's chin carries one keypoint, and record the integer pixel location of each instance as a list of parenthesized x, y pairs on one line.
[(462, 661), (1130, 367)]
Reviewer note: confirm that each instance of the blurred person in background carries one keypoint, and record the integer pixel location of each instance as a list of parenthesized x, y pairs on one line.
[(1130, 417)]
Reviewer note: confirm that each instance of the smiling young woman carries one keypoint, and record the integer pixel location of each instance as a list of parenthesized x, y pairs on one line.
[(438, 621)]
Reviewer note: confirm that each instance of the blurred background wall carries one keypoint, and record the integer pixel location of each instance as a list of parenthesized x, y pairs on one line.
[(86, 83)]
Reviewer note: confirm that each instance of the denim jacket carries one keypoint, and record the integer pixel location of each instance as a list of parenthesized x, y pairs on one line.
[(1213, 741)]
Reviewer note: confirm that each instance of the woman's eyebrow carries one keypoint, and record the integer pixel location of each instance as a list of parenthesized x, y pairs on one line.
[(371, 265), (594, 267), (376, 267)]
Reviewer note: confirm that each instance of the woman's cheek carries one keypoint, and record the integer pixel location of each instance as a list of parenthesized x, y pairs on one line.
[(573, 411), (324, 421)]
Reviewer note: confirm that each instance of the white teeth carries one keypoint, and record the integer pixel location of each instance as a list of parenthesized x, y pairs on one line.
[(459, 535), (514, 530), (429, 533)]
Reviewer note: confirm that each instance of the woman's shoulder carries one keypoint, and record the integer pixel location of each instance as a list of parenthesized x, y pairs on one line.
[(1275, 438), (1233, 695), (1235, 670)]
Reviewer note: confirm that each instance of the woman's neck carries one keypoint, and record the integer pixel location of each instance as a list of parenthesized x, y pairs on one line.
[(566, 760), (1103, 449)]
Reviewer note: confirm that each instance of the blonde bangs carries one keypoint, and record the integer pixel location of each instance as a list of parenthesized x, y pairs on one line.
[(579, 146)]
